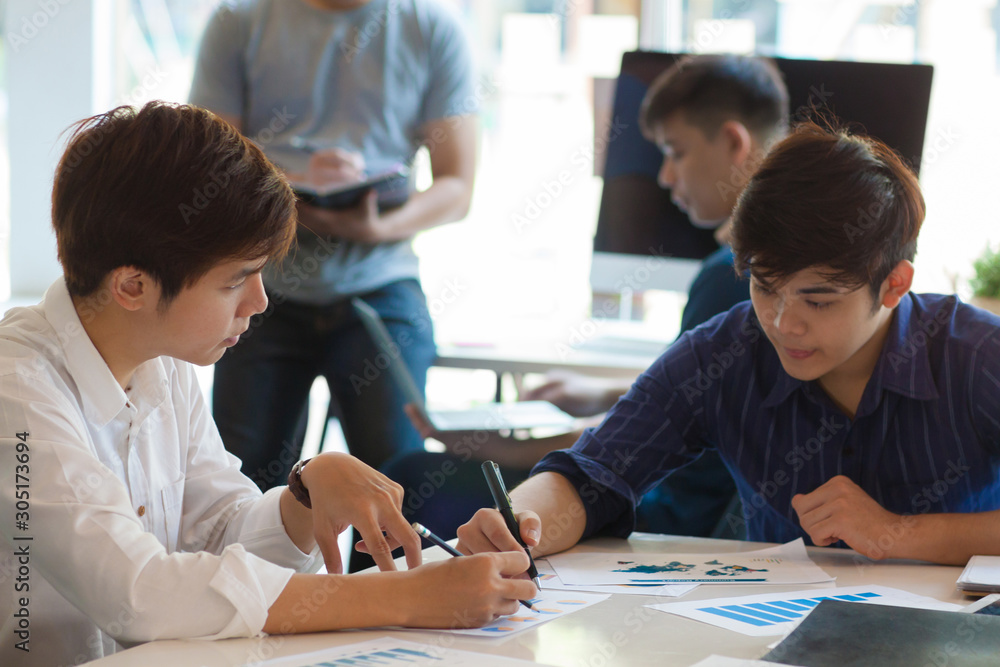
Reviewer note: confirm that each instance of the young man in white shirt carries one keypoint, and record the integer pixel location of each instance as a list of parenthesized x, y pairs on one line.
[(124, 518)]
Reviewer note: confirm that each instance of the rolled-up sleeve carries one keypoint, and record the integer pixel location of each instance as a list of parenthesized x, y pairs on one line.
[(650, 432), (90, 545)]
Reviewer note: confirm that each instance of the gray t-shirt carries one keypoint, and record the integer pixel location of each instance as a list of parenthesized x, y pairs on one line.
[(365, 80)]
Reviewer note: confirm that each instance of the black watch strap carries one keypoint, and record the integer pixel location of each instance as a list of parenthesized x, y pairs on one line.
[(296, 486)]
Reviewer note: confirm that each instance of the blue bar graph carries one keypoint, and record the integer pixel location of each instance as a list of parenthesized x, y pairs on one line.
[(395, 656), (763, 614)]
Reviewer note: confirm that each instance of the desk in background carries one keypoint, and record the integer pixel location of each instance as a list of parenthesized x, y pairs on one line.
[(618, 631), (604, 357)]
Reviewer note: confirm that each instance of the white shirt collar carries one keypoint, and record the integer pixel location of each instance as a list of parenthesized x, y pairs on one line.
[(101, 395)]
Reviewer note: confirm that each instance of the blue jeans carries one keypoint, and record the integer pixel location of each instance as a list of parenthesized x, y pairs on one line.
[(262, 384)]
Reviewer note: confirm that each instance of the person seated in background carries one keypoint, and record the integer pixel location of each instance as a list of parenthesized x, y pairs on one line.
[(714, 117), (136, 523), (331, 89), (851, 411)]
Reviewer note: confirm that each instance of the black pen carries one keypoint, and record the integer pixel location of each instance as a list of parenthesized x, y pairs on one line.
[(431, 537), (502, 500)]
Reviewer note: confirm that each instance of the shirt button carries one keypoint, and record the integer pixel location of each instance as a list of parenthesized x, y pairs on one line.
[(848, 451), (142, 510)]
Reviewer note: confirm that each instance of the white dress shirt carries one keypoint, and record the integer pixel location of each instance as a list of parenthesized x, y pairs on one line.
[(139, 524)]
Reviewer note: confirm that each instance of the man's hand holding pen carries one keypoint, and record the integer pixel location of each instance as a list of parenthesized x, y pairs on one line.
[(487, 531), (501, 529)]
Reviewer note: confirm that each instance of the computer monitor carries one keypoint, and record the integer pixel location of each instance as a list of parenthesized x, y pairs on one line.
[(637, 220)]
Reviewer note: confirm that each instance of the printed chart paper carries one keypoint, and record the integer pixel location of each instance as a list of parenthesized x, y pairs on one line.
[(785, 564), (549, 605), (551, 581), (779, 613), (387, 652), (720, 661)]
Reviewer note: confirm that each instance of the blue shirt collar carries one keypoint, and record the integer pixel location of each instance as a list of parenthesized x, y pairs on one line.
[(903, 366)]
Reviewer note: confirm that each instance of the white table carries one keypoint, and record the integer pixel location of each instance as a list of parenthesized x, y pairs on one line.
[(619, 631)]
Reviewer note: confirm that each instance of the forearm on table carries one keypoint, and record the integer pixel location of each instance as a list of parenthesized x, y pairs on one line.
[(949, 539), (447, 200), (319, 602), (555, 500)]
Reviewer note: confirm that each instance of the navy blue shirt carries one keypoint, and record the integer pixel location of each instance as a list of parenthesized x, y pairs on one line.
[(715, 289), (925, 438)]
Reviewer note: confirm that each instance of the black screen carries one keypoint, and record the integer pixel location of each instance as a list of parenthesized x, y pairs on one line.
[(636, 215)]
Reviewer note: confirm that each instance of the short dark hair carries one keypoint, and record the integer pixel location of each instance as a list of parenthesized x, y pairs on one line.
[(170, 189), (711, 89), (826, 197)]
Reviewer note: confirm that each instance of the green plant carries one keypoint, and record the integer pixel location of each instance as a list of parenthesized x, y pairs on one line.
[(986, 281)]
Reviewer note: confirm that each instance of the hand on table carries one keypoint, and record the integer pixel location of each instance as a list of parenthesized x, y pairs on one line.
[(346, 492), (841, 510), (469, 592), (578, 395)]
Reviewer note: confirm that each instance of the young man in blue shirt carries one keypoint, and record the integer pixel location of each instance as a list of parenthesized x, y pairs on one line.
[(849, 410), (714, 117)]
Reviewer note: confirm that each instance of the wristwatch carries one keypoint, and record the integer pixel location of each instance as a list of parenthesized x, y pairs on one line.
[(296, 486)]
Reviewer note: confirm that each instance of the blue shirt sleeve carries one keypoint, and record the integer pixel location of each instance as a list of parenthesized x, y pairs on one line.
[(450, 90), (715, 289), (219, 80), (657, 427), (984, 389)]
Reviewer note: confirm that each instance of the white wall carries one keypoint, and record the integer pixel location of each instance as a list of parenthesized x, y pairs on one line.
[(47, 90)]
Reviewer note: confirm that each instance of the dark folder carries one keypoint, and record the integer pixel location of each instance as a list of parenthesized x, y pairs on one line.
[(848, 634)]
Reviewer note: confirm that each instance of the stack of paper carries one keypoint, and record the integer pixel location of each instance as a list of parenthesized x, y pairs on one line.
[(551, 581), (981, 575)]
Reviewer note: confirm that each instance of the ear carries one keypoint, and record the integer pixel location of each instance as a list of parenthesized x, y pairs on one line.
[(738, 141), (133, 289), (897, 284)]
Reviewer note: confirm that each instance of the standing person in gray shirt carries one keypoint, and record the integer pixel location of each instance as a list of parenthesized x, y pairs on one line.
[(364, 83)]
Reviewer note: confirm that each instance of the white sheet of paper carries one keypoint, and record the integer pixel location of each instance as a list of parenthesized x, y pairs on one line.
[(779, 613), (390, 651), (784, 564), (720, 661), (549, 605), (551, 581)]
